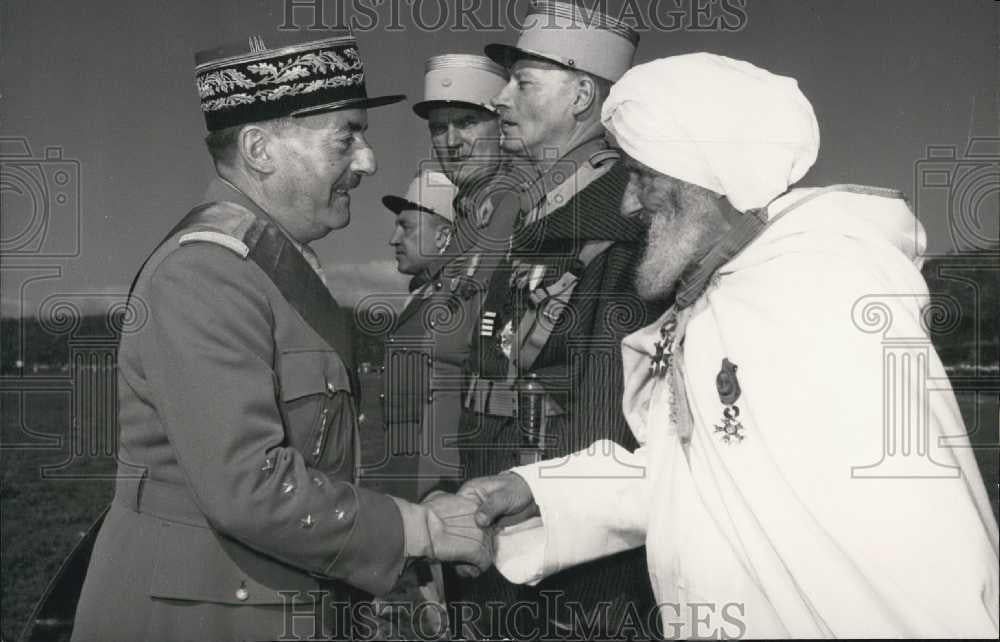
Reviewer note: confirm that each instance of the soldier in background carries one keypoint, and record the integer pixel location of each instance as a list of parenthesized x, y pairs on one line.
[(435, 239), (435, 326), (463, 125), (545, 368), (422, 234)]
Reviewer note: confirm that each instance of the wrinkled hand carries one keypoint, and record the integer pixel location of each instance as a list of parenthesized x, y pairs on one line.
[(454, 534), (503, 499)]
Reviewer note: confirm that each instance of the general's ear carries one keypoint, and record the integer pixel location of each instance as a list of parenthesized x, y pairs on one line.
[(255, 146)]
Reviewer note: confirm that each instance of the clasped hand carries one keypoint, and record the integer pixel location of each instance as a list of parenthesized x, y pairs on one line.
[(462, 526), (454, 534)]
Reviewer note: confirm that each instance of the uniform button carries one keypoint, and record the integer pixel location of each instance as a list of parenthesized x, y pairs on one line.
[(430, 398), (431, 323), (438, 285), (318, 481), (242, 594), (381, 396), (392, 339), (329, 388)]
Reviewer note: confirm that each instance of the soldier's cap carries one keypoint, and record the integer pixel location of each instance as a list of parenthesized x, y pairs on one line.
[(461, 80), (286, 75), (573, 36), (430, 192)]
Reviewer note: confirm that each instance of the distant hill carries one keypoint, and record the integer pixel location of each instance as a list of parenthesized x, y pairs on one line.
[(968, 285), (958, 286)]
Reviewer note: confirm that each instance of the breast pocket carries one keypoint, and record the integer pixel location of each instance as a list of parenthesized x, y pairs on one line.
[(319, 410)]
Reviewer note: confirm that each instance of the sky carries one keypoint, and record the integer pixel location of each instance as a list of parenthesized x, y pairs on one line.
[(100, 119)]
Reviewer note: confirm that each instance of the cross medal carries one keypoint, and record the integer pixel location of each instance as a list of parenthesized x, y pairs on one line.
[(660, 361), (728, 387)]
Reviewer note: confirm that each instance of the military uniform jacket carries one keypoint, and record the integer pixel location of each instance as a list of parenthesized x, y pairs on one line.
[(238, 443), (580, 367), (428, 345), (425, 352)]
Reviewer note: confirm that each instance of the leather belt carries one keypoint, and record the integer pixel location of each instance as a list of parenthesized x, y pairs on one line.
[(499, 398), (166, 501)]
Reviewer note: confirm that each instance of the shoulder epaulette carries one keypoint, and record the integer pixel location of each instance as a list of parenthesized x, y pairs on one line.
[(218, 238), (222, 223)]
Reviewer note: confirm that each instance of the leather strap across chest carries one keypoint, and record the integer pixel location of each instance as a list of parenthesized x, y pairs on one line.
[(274, 253)]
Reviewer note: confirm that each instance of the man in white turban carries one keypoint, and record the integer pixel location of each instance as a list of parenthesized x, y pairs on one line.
[(803, 468)]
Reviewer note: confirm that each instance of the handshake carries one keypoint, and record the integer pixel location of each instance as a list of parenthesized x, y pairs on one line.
[(460, 527)]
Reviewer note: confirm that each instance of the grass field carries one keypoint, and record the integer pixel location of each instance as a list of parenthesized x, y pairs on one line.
[(42, 518)]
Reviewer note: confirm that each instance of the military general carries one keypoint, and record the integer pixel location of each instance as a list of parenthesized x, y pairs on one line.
[(237, 515)]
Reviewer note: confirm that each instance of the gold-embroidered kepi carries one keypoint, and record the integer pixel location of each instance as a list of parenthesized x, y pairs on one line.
[(574, 36), (283, 75), (462, 79)]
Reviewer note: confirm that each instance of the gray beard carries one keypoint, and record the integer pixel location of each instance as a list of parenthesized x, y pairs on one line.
[(672, 244)]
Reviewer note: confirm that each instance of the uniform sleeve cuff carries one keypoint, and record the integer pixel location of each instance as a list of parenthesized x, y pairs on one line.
[(416, 538)]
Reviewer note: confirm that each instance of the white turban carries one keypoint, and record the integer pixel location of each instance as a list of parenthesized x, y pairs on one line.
[(720, 123)]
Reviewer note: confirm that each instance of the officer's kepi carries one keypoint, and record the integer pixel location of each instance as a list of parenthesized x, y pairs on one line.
[(429, 192), (263, 78), (460, 80), (572, 36)]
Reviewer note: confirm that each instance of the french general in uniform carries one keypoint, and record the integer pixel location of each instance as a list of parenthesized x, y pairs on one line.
[(237, 515)]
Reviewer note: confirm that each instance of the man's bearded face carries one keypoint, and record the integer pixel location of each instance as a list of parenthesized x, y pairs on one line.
[(684, 221)]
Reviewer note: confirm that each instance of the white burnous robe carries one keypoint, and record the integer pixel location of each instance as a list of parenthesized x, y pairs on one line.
[(853, 505)]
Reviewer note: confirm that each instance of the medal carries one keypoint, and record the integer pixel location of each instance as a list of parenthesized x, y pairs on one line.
[(506, 339), (728, 387), (660, 361)]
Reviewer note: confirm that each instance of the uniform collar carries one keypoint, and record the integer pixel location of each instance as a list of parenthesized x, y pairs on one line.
[(592, 214), (221, 189)]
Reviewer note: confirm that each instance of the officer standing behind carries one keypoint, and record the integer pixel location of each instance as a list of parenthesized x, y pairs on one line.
[(546, 363), (422, 233), (237, 515), (465, 132), (429, 344)]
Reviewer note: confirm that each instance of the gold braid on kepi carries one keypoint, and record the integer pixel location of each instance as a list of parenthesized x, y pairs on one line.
[(259, 80)]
